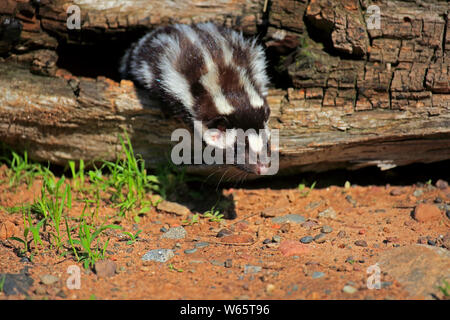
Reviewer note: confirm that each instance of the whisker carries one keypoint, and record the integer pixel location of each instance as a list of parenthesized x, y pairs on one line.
[(223, 175)]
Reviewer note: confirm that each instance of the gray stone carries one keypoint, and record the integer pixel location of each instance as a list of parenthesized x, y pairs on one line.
[(15, 283), (361, 243), (158, 255), (328, 213), (228, 263), (49, 279), (217, 263), (418, 193), (175, 233), (320, 238), (189, 251), (294, 218), (326, 229), (317, 275), (306, 239), (251, 269), (276, 238), (200, 245)]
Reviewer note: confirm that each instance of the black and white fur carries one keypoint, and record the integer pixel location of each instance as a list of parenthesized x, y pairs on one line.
[(208, 73)]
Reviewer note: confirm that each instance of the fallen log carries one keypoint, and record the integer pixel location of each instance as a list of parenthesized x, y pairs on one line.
[(58, 119)]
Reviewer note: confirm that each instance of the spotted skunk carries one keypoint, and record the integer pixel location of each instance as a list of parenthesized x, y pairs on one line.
[(210, 74)]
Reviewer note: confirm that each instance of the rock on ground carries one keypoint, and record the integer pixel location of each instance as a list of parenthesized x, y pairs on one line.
[(105, 268), (294, 218), (172, 207), (292, 248), (175, 233), (49, 279), (421, 269), (426, 212), (158, 255), (15, 283)]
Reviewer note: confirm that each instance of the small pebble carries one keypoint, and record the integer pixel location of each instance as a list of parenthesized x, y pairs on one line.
[(317, 274), (201, 245), (326, 229), (228, 263), (309, 224), (24, 260), (417, 193), (438, 200), (224, 233), (49, 279), (158, 255), (276, 239), (163, 230), (266, 241), (294, 218), (40, 291), (306, 239), (270, 288), (251, 269), (350, 200), (285, 227), (431, 242), (175, 233), (448, 214), (105, 268), (217, 263), (396, 192), (341, 234), (320, 238), (189, 251), (441, 184), (361, 243), (328, 213), (349, 289)]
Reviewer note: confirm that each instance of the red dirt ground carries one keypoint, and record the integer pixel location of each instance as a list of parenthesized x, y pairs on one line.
[(378, 214)]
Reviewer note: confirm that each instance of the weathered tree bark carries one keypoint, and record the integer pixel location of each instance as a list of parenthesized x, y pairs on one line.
[(359, 97)]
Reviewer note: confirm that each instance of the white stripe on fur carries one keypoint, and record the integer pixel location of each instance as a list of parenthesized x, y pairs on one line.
[(210, 80), (172, 80)]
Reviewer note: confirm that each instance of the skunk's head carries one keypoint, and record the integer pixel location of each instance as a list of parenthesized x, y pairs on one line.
[(244, 136)]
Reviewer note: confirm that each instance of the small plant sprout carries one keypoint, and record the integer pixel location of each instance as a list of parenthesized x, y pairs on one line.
[(213, 215), (133, 238), (194, 219), (445, 289), (22, 169), (30, 227), (129, 180), (87, 238), (77, 176), (2, 282), (302, 187), (172, 267), (55, 200)]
